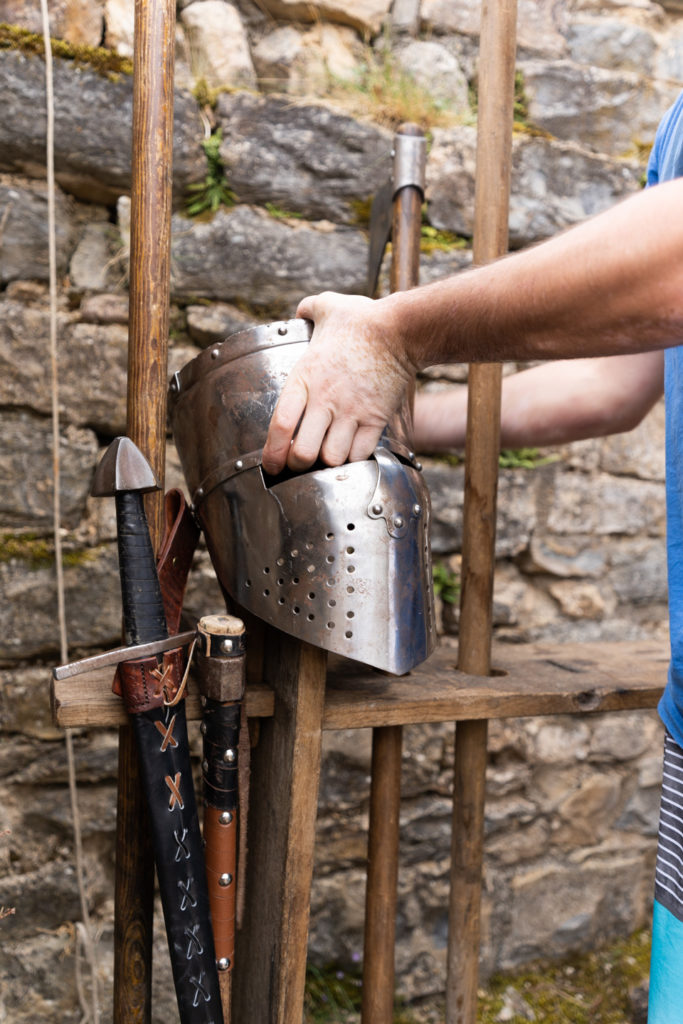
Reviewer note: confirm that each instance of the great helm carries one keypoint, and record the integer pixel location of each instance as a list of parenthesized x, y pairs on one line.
[(337, 557)]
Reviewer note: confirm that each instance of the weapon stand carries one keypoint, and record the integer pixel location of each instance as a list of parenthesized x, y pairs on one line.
[(295, 696)]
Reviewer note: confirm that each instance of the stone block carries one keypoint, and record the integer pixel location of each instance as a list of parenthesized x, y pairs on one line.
[(23, 228), (245, 252), (553, 184), (218, 45), (93, 117), (607, 111), (26, 459), (304, 158)]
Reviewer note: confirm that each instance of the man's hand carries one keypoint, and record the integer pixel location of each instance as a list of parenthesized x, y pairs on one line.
[(341, 393)]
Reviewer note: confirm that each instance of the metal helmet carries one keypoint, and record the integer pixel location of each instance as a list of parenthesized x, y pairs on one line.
[(338, 557)]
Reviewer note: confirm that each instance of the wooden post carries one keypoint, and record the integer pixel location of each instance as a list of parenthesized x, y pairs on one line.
[(385, 792), (146, 425), (270, 960), (494, 151)]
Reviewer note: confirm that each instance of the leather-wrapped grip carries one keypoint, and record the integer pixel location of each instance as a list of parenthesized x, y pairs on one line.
[(143, 608)]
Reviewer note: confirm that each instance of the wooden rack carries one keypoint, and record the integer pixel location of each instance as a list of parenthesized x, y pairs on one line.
[(302, 698)]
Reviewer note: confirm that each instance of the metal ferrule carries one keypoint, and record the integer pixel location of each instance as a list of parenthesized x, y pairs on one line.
[(410, 161)]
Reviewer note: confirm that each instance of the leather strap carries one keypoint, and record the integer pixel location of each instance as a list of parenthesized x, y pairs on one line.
[(147, 685)]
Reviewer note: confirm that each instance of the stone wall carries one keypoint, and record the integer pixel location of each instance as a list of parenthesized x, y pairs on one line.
[(304, 95)]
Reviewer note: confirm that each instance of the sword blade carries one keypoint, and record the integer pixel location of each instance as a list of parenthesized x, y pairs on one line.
[(120, 654)]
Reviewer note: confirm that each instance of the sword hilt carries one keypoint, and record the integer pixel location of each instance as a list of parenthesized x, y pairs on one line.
[(143, 607), (125, 473)]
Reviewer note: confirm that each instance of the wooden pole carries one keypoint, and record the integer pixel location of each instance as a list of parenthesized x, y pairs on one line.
[(385, 792), (152, 146), (492, 193)]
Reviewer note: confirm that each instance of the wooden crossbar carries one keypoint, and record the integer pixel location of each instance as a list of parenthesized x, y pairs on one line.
[(529, 680)]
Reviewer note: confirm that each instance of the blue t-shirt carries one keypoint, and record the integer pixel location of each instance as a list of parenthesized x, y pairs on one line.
[(666, 162)]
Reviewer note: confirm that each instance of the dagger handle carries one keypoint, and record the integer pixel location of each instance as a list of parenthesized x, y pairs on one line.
[(143, 608), (220, 728)]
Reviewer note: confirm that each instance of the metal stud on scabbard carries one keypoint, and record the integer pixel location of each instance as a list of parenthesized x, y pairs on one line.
[(152, 693), (220, 669)]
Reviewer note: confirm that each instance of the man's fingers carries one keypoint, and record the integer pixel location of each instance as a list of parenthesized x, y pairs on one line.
[(283, 424), (338, 442), (306, 308), (309, 438), (364, 443)]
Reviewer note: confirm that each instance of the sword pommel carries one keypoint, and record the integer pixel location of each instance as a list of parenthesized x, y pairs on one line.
[(125, 473), (123, 467)]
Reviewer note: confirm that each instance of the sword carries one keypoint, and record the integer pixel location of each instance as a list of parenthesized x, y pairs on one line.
[(220, 668), (152, 694)]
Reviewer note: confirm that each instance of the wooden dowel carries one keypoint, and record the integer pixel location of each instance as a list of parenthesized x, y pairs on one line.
[(385, 791), (377, 1005), (494, 153), (146, 426)]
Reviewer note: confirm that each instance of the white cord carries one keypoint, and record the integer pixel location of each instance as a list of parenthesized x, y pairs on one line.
[(86, 939)]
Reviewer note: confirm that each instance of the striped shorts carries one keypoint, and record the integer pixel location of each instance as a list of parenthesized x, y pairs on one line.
[(666, 964)]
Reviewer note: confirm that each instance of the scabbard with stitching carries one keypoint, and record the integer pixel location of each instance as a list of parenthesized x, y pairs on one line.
[(161, 735), (152, 693)]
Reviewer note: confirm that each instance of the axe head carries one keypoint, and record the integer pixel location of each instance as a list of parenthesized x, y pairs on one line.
[(123, 467)]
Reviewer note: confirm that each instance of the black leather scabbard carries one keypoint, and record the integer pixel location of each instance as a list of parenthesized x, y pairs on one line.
[(161, 736)]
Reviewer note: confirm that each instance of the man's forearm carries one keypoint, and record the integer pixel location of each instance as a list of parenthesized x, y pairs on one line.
[(551, 404), (611, 285)]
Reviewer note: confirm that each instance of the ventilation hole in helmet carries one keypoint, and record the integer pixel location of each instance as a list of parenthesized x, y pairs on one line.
[(350, 590), (329, 536), (350, 550), (350, 615), (310, 568), (312, 595), (350, 568), (332, 602), (330, 559), (280, 600), (295, 579), (280, 582), (296, 609), (280, 561), (348, 634), (266, 592), (308, 546), (331, 582), (350, 526), (330, 625), (247, 583), (294, 553), (310, 617), (266, 569)]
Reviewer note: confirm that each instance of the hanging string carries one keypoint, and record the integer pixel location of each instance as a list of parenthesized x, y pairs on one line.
[(86, 939)]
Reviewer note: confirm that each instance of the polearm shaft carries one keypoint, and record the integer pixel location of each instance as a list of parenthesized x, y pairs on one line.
[(146, 424), (385, 793), (492, 194), (220, 669)]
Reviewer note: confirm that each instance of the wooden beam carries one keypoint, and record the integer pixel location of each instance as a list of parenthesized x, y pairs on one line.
[(528, 680), (270, 959)]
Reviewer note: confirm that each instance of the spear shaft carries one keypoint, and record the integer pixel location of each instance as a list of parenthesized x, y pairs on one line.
[(152, 147)]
